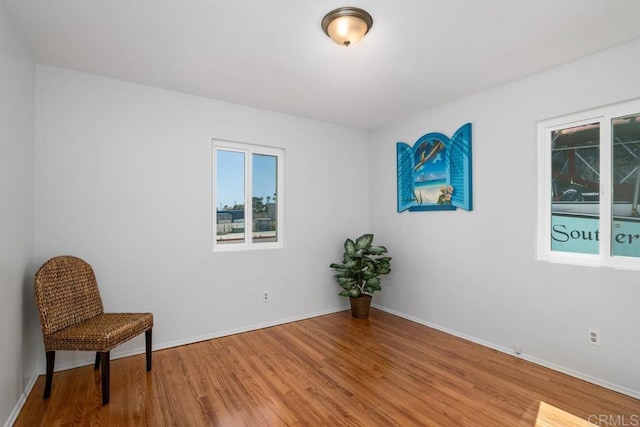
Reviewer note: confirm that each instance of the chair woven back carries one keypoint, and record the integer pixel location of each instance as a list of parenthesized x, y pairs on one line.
[(66, 293)]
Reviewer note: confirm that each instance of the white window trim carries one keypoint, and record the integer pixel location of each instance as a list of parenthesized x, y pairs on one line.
[(248, 150), (602, 115)]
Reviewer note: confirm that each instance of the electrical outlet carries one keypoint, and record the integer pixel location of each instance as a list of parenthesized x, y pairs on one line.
[(594, 337), (265, 296)]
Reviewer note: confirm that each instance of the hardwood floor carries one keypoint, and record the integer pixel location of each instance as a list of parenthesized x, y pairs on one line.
[(329, 370)]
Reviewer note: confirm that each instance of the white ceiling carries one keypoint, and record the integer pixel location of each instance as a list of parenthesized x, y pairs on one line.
[(274, 55)]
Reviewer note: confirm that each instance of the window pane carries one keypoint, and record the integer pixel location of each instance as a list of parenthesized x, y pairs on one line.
[(625, 232), (575, 192), (265, 201), (229, 197)]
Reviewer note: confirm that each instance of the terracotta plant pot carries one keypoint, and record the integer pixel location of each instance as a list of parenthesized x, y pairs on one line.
[(360, 306)]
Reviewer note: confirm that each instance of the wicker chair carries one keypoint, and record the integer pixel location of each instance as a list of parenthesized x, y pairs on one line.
[(72, 317)]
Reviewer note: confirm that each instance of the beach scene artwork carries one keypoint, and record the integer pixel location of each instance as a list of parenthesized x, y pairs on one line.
[(430, 172), (435, 173)]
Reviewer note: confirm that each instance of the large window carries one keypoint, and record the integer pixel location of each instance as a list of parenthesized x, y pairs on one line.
[(589, 176), (248, 192)]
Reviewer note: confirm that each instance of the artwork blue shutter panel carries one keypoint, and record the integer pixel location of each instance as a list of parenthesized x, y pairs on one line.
[(460, 168), (404, 156)]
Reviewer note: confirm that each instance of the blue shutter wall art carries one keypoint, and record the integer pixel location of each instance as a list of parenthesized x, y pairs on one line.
[(435, 174)]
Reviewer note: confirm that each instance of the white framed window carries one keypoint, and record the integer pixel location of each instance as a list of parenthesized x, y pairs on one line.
[(248, 194), (589, 187)]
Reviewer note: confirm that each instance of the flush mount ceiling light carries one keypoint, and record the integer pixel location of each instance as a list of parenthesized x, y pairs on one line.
[(347, 25)]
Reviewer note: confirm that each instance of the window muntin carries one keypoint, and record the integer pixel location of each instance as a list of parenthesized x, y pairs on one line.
[(248, 190), (589, 188)]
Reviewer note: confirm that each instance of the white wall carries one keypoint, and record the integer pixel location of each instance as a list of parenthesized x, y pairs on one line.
[(18, 319), (124, 181), (475, 273)]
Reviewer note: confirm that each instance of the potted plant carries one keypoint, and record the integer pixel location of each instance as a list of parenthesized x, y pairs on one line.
[(359, 273)]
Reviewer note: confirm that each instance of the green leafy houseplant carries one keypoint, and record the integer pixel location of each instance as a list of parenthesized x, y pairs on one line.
[(361, 267)]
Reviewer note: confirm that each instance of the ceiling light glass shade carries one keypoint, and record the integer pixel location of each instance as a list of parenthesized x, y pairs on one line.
[(347, 25)]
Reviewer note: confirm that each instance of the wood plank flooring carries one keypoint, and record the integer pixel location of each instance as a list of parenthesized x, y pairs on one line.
[(329, 370)]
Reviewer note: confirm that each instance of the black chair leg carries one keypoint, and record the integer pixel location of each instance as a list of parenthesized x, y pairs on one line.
[(104, 361), (51, 358), (97, 364), (147, 339)]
